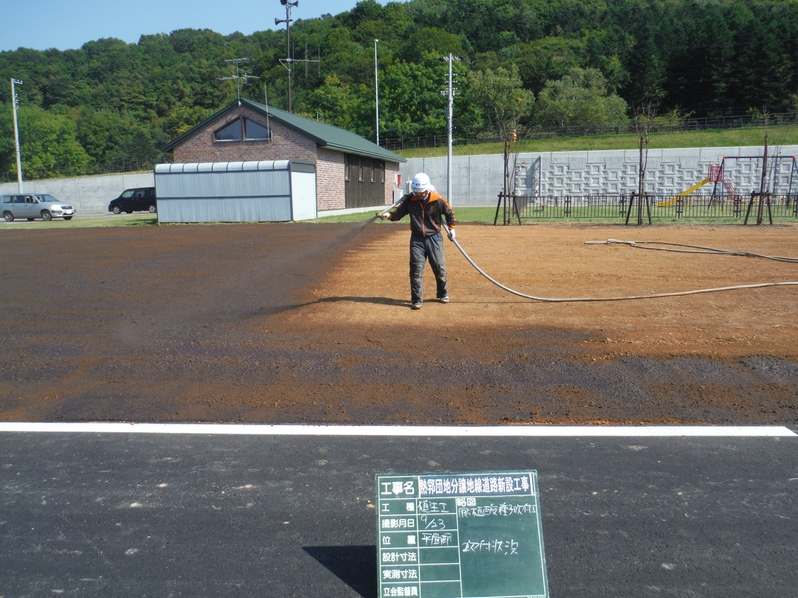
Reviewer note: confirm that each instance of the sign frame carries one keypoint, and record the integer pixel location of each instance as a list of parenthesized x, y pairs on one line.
[(460, 535)]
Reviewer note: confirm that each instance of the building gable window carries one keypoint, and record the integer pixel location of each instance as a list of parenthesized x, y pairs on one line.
[(253, 130), (230, 132), (241, 129)]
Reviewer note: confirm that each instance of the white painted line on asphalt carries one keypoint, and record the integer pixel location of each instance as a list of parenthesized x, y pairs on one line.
[(443, 431)]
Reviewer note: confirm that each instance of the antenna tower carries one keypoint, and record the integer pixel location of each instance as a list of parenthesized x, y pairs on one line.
[(238, 76)]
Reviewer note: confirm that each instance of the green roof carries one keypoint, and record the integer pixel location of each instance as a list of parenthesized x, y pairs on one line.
[(325, 135)]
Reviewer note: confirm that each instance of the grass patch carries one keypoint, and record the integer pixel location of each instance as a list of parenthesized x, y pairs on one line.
[(359, 217), (465, 215), (753, 136), (98, 222), (486, 215), (472, 214)]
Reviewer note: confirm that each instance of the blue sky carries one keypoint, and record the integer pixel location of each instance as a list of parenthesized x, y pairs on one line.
[(43, 24)]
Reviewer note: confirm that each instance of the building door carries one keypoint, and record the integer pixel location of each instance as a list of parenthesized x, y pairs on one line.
[(364, 181)]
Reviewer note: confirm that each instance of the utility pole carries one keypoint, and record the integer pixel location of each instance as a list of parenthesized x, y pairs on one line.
[(377, 90), (449, 127), (14, 106), (287, 20)]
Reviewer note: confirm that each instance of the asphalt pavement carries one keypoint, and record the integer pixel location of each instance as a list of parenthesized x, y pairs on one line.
[(173, 514)]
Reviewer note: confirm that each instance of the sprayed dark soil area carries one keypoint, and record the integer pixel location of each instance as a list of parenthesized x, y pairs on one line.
[(310, 323)]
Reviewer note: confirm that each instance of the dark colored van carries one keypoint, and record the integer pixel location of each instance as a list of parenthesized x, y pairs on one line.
[(135, 200)]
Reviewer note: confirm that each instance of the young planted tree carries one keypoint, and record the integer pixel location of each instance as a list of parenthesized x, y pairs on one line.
[(504, 102), (644, 119)]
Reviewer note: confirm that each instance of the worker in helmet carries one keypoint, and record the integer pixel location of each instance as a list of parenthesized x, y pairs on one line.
[(426, 209)]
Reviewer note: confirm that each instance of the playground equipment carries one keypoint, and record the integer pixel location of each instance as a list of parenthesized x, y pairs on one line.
[(727, 191), (718, 175), (723, 189), (686, 192)]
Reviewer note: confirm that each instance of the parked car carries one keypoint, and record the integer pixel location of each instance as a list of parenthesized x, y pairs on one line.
[(30, 206), (141, 199)]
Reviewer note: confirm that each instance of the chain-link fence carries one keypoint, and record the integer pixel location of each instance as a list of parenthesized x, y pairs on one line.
[(588, 130)]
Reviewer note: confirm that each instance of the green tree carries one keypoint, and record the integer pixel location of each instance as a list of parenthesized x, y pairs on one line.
[(339, 103), (549, 58), (579, 98), (48, 144), (430, 41), (411, 102), (102, 132)]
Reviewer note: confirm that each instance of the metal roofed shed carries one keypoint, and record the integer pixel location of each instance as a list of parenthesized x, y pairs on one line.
[(352, 173), (255, 191)]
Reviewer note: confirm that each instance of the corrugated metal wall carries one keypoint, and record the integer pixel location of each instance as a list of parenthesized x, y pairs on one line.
[(258, 191), (303, 195)]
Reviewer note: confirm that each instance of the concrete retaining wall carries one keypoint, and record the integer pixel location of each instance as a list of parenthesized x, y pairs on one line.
[(477, 180), (84, 193)]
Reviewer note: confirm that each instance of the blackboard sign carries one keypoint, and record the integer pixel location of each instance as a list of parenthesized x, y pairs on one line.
[(466, 535)]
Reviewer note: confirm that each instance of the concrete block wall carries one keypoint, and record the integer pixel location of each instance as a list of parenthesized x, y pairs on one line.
[(85, 193), (477, 180)]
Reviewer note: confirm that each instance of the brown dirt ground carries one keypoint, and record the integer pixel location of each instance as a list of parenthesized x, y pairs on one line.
[(311, 323)]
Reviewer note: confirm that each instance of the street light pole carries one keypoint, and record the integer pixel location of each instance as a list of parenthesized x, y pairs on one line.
[(377, 90), (14, 106)]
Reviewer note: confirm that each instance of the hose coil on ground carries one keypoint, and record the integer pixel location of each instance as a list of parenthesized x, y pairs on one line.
[(640, 244)]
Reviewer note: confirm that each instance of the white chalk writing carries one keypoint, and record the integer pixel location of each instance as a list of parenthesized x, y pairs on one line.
[(497, 546), (433, 522), (436, 539), (433, 506), (502, 510)]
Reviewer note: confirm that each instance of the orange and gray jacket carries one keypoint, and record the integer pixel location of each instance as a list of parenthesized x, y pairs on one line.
[(425, 214)]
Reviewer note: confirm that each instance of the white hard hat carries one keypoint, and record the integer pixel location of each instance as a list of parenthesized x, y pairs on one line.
[(420, 183)]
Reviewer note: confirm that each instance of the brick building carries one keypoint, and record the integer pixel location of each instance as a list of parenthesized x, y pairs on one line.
[(351, 172)]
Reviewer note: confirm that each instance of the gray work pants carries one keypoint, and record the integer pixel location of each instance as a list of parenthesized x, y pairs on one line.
[(421, 249)]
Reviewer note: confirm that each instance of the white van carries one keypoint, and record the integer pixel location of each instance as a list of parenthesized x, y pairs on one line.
[(43, 206)]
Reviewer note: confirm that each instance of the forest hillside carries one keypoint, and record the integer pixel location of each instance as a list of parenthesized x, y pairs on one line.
[(112, 106)]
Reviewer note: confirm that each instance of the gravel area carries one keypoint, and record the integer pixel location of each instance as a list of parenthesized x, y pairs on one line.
[(311, 323)]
